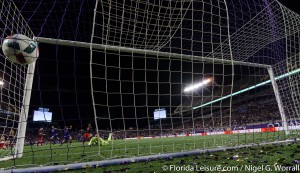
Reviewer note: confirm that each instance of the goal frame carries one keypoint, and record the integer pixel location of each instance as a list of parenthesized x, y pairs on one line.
[(24, 111), (29, 81), (175, 55)]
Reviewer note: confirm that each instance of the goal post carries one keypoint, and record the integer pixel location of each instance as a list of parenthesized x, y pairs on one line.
[(16, 86), (22, 123), (279, 102)]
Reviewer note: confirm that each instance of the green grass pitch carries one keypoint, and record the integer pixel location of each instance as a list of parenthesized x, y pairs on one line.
[(56, 154)]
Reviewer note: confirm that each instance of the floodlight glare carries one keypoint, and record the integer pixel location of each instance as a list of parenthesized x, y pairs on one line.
[(1, 83), (198, 85), (249, 88)]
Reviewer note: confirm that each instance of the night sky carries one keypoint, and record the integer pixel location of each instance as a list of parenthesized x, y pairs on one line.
[(62, 81)]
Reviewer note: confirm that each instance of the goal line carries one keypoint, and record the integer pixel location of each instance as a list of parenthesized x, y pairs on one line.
[(95, 164)]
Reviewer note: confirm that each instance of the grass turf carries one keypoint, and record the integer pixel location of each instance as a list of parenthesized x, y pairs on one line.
[(270, 158), (55, 154)]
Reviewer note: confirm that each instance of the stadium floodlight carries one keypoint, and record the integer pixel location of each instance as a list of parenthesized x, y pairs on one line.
[(1, 83), (249, 88), (198, 85)]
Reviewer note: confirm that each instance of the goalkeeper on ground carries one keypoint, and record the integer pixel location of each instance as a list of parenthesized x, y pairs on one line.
[(94, 140)]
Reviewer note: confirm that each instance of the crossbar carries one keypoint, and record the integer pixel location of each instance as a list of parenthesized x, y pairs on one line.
[(145, 52)]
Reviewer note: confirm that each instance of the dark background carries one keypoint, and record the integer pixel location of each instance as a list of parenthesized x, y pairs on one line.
[(62, 81)]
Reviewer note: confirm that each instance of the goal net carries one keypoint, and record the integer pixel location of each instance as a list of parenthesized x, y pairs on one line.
[(13, 105), (162, 77)]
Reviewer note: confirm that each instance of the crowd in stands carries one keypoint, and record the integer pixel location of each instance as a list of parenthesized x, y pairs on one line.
[(243, 114)]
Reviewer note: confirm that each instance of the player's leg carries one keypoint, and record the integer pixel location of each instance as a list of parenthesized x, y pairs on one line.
[(66, 139), (1, 145), (106, 142), (52, 139), (85, 138), (109, 137), (40, 141), (11, 141), (58, 139), (103, 142), (93, 141), (47, 141), (70, 140)]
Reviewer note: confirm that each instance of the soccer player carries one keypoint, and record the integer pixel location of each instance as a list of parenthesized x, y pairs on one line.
[(67, 136), (40, 137), (87, 134), (11, 137), (80, 135), (54, 136), (3, 142), (94, 140)]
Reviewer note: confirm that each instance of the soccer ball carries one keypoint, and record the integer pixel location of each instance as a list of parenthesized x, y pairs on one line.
[(20, 49)]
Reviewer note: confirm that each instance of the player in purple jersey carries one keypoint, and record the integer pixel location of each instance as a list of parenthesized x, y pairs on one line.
[(67, 136), (54, 136)]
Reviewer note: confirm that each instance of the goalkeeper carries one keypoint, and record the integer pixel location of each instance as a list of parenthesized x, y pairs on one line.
[(94, 140)]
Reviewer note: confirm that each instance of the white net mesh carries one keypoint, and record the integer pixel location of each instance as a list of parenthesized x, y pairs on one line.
[(130, 81), (143, 55), (13, 79)]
